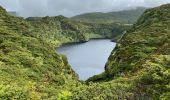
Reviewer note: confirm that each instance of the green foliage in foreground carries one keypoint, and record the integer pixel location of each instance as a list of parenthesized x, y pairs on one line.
[(137, 69), (143, 55), (29, 66)]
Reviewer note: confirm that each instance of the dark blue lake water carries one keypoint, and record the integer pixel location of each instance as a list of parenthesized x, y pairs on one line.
[(88, 59)]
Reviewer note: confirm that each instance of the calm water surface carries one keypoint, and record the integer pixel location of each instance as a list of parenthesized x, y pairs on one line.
[(88, 59)]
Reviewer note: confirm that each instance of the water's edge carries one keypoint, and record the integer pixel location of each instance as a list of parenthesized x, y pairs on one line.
[(81, 42), (102, 57)]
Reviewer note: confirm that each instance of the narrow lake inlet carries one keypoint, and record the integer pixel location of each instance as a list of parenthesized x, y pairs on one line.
[(88, 59)]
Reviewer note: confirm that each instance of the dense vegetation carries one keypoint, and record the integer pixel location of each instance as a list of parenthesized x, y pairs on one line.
[(29, 66), (124, 17), (58, 30), (142, 56), (138, 69)]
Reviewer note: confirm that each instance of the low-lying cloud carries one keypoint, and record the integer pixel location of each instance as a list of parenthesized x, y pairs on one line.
[(69, 8)]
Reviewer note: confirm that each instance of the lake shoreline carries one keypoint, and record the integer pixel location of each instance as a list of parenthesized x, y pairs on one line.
[(81, 42), (87, 58)]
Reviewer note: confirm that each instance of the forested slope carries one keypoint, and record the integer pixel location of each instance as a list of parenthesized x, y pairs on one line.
[(124, 17), (29, 67), (142, 56), (60, 29), (137, 69)]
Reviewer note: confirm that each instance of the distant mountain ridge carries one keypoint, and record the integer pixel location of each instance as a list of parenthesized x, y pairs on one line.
[(76, 31), (125, 16), (13, 13)]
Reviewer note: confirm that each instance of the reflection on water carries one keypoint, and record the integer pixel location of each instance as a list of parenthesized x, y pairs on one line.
[(88, 59)]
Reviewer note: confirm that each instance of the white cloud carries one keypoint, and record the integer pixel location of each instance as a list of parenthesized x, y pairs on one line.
[(33, 7), (74, 7), (11, 5)]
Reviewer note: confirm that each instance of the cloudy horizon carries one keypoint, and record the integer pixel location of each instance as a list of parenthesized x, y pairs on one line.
[(70, 8)]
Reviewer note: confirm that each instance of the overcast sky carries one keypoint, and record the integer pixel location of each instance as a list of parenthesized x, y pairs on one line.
[(73, 7)]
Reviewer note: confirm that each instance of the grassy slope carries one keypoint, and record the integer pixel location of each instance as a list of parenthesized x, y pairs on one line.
[(29, 67), (127, 16), (62, 30), (59, 29), (142, 55)]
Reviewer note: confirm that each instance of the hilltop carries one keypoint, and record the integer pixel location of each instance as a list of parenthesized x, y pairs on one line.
[(60, 29), (124, 17)]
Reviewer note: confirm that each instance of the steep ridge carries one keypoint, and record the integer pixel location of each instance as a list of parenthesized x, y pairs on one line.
[(124, 17), (29, 67), (142, 56), (65, 30), (59, 29)]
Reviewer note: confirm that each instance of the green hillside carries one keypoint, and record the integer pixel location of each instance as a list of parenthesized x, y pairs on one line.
[(125, 17), (29, 66), (142, 56), (60, 29), (137, 69)]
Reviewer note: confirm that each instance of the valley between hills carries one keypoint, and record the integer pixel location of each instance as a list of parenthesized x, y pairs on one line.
[(137, 69)]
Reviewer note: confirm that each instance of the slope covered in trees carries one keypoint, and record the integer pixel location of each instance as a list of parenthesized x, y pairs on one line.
[(125, 17), (29, 66), (64, 30), (137, 69), (142, 56)]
